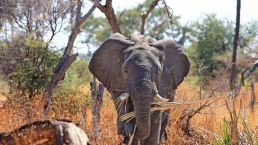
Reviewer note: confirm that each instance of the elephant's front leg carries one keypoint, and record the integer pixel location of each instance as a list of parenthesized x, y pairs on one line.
[(154, 136), (164, 123)]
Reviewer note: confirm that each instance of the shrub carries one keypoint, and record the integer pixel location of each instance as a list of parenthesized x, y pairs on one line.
[(28, 64)]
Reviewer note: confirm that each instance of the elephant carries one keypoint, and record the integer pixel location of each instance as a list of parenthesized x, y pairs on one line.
[(140, 69)]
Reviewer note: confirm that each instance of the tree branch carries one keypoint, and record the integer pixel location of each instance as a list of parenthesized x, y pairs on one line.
[(86, 16), (66, 60), (109, 12), (120, 16), (109, 4), (144, 15)]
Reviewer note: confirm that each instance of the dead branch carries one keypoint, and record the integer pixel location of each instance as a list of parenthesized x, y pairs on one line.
[(49, 131), (252, 101), (67, 59), (184, 120), (169, 14)]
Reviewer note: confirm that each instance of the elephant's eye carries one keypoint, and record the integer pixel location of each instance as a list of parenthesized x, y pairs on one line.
[(124, 68)]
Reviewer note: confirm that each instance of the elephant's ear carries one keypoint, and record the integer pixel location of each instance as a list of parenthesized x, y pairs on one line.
[(105, 64), (176, 64)]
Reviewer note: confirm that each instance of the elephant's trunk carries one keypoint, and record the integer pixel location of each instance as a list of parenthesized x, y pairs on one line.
[(142, 115), (144, 89)]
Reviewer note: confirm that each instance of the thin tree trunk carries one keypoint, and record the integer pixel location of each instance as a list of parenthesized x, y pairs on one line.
[(182, 40), (252, 101), (233, 67), (67, 59)]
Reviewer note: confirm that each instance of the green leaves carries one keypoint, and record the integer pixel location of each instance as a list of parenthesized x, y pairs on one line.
[(32, 64), (215, 37)]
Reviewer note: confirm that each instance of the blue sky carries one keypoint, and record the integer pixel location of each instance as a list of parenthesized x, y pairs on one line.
[(189, 10)]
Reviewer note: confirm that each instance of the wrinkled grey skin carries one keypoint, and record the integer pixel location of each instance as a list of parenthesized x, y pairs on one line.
[(142, 67)]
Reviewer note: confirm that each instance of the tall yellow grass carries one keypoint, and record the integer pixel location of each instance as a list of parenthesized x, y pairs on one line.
[(72, 105)]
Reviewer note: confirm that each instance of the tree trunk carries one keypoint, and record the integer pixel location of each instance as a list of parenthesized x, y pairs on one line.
[(233, 67), (67, 59)]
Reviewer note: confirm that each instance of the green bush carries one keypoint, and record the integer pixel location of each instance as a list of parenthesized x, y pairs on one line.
[(28, 64)]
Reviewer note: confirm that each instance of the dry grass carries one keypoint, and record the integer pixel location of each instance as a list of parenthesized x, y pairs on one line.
[(73, 105)]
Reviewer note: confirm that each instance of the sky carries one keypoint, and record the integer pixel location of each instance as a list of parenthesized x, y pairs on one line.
[(189, 10)]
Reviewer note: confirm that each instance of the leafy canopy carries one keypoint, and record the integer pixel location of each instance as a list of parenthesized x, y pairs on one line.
[(213, 37)]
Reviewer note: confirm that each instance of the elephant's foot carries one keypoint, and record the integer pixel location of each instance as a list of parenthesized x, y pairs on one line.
[(127, 138)]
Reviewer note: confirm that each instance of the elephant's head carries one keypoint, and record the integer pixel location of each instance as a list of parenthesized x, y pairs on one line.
[(139, 65)]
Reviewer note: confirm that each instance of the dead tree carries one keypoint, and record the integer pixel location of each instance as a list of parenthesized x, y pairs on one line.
[(67, 59), (245, 74), (97, 101), (59, 131)]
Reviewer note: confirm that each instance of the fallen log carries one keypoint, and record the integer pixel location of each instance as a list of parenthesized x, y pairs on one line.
[(49, 131)]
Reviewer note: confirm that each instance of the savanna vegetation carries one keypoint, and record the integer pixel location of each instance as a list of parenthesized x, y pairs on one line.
[(29, 59)]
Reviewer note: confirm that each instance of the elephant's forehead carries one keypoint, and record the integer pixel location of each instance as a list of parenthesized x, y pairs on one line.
[(141, 51), (140, 39), (141, 54)]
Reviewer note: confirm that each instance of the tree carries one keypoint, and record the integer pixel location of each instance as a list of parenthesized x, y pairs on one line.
[(39, 17), (158, 22), (233, 67), (26, 55), (67, 59), (27, 64), (212, 38)]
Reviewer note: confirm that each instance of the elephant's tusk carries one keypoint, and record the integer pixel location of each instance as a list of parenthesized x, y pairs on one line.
[(158, 98), (124, 96)]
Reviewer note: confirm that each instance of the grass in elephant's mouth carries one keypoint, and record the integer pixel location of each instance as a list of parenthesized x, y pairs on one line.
[(163, 106)]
